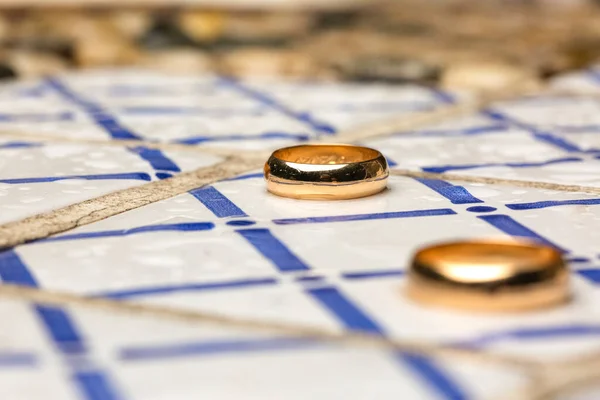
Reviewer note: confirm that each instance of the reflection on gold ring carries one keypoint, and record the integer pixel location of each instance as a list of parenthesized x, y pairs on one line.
[(326, 172), (488, 275)]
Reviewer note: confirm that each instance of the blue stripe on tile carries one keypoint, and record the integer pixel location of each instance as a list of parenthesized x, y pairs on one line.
[(364, 217), (557, 141), (176, 110), (55, 320), (236, 284), (59, 326), (234, 138), (313, 278), (591, 128), (273, 249), (577, 260), (211, 348), (355, 319), (19, 145), (189, 287), (445, 168), (381, 106), (547, 137), (157, 159), (373, 274), (478, 130), (157, 110), (12, 270), (456, 194), (179, 227), (163, 175), (101, 117), (128, 90), (435, 376), (18, 359), (37, 90), (263, 98), (217, 203), (511, 227), (112, 126), (36, 117), (63, 331), (481, 209), (552, 203), (442, 96), (94, 385), (535, 333), (344, 310), (139, 176), (592, 274), (594, 74)]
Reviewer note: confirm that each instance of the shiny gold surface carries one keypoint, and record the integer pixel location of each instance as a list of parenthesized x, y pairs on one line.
[(488, 276), (326, 172)]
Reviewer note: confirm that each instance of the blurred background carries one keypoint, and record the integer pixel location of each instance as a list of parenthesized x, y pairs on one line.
[(349, 40)]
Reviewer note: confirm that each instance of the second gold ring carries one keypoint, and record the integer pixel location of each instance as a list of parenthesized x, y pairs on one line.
[(326, 172)]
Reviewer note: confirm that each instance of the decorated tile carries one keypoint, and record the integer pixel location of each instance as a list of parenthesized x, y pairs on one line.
[(74, 352), (234, 251), (210, 110), (261, 256), (38, 177)]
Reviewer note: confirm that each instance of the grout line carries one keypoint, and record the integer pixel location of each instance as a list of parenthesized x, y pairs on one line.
[(62, 219), (304, 331), (396, 125), (497, 181), (237, 162), (225, 152), (406, 122), (554, 381), (410, 122)]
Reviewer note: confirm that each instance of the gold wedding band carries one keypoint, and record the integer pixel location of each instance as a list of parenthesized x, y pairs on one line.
[(326, 172), (488, 276)]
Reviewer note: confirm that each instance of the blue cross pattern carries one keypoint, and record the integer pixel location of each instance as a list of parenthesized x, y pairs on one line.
[(93, 382)]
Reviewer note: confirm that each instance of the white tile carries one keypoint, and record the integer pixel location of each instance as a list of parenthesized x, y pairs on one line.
[(376, 244), (144, 260), (581, 171), (133, 360), (402, 194), (423, 152), (179, 254), (553, 111), (47, 176)]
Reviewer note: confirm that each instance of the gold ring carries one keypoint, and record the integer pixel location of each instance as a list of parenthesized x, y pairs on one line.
[(489, 275), (326, 172)]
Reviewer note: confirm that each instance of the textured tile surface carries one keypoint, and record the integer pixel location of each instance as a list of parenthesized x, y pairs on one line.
[(233, 249), (39, 177)]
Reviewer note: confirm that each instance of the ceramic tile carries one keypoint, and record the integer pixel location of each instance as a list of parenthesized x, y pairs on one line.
[(453, 153), (547, 138), (553, 113), (344, 106), (289, 258), (213, 111), (37, 177), (99, 353), (233, 249)]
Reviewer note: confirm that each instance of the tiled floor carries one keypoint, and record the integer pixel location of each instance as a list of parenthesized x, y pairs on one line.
[(233, 249)]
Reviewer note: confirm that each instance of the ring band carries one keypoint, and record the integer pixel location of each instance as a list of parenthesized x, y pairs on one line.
[(326, 172), (489, 275)]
